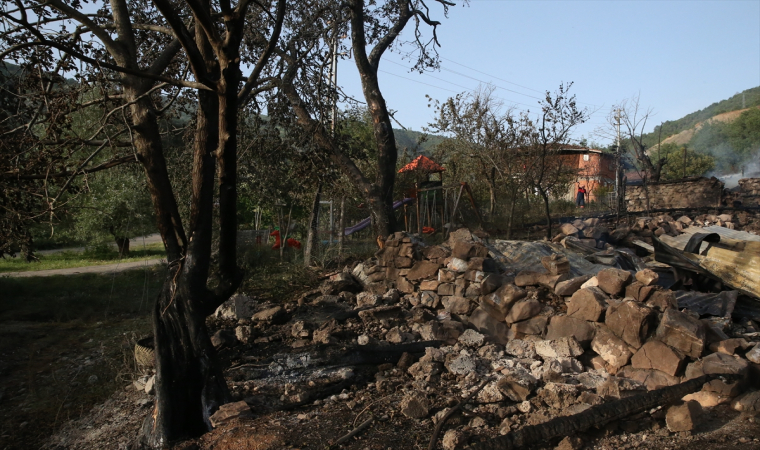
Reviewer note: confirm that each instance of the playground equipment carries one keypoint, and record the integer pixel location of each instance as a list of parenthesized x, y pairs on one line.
[(433, 211)]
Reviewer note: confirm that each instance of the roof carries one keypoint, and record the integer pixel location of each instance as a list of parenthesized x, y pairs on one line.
[(422, 164)]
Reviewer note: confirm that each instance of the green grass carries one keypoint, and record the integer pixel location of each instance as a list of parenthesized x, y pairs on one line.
[(67, 344), (71, 259)]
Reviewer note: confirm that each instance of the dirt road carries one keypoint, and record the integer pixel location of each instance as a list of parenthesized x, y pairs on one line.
[(105, 268)]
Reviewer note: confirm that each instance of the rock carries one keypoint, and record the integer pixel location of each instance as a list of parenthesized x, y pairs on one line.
[(527, 278), (587, 304), (647, 277), (425, 370), (457, 265), (651, 378), (706, 399), (471, 338), (391, 297), (683, 417), (453, 440), (486, 324), (517, 384), (482, 265), (558, 395), (656, 355), (630, 321), (429, 299), (230, 411), (396, 336), (491, 282), (747, 402), (566, 347), (275, 315), (724, 388), (366, 299), (456, 305), (338, 283), (446, 289), (682, 332), (404, 285), (499, 302), (613, 281), (659, 300), (569, 287), (568, 229), (521, 348), (323, 334), (429, 285), (243, 333), (722, 364), (523, 310), (564, 326), (534, 326), (223, 338), (556, 264), (550, 281), (592, 282), (414, 406), (570, 443), (150, 385), (729, 346), (611, 348), (447, 275), (237, 307), (422, 270), (461, 365), (754, 354)]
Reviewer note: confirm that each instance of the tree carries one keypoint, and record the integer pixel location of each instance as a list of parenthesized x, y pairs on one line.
[(633, 120), (119, 43), (375, 24), (546, 171), (683, 162)]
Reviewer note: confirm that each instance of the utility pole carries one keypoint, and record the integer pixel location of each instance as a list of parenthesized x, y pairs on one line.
[(334, 80), (618, 188)]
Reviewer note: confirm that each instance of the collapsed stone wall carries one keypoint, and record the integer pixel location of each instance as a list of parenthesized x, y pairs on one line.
[(688, 193), (749, 191)]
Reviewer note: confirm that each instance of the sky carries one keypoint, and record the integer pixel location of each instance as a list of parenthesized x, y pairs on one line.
[(678, 56)]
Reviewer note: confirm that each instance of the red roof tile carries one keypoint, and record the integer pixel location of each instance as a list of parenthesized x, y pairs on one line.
[(423, 164)]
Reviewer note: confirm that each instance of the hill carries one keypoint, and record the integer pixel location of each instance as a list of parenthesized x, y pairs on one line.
[(415, 142), (742, 100)]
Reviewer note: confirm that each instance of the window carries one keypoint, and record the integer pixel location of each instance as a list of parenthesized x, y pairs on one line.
[(585, 157)]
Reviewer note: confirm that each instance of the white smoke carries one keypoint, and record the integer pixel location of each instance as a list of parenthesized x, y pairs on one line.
[(750, 169)]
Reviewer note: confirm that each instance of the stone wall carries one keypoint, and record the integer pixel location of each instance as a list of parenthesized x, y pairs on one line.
[(687, 193), (749, 191)]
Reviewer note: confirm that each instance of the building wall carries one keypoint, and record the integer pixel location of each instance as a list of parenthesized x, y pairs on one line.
[(687, 193), (598, 171), (749, 191)]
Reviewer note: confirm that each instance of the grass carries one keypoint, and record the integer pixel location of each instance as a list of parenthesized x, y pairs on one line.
[(70, 259), (66, 344)]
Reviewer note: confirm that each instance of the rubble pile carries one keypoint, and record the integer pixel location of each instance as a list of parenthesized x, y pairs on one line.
[(554, 343)]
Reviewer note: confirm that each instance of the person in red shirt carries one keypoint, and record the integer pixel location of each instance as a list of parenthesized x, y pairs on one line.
[(580, 198)]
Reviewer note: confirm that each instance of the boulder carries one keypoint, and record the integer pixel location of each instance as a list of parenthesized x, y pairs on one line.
[(366, 299), (230, 411), (630, 321), (722, 364), (521, 348), (747, 402), (527, 278), (611, 348), (569, 287), (466, 250), (729, 346), (568, 229), (404, 285), (754, 354), (613, 281), (523, 310), (491, 282), (237, 307), (566, 347), (587, 304), (422, 270), (659, 299), (683, 417), (498, 303), (656, 355), (456, 305), (650, 378), (429, 285), (565, 326), (488, 325), (414, 406), (275, 315), (647, 277), (533, 327), (682, 332)]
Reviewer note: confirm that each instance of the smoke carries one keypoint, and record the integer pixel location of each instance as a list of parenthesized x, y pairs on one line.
[(750, 168)]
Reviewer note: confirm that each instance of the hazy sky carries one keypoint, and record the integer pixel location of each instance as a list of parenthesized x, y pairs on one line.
[(680, 56)]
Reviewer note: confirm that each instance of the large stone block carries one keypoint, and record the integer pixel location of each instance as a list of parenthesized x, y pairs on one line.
[(630, 321), (488, 325), (682, 332), (611, 348), (533, 327), (587, 304), (498, 303), (565, 326), (613, 281), (571, 286), (422, 270), (656, 355), (523, 310)]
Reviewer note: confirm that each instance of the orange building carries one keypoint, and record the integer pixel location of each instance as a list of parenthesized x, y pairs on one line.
[(595, 169)]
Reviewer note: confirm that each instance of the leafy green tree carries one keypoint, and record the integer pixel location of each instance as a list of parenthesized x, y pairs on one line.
[(684, 162)]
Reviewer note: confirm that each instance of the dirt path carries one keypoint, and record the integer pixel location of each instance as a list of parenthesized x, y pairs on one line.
[(105, 268), (135, 243)]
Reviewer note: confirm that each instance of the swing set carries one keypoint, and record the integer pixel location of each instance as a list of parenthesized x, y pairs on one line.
[(434, 210)]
